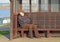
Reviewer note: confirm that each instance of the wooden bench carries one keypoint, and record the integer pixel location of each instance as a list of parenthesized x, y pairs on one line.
[(47, 31)]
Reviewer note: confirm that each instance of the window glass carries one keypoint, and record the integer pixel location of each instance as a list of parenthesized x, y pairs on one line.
[(25, 5), (19, 1), (54, 8), (54, 5), (54, 1), (34, 5), (17, 6), (44, 5)]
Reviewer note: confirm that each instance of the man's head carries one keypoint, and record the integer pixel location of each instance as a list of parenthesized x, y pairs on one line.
[(21, 13)]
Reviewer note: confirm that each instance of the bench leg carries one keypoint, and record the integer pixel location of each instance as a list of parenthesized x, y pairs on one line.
[(48, 33), (22, 33)]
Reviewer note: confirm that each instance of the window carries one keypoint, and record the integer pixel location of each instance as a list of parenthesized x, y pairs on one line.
[(17, 6), (38, 5), (44, 5), (25, 5), (34, 6), (19, 1), (54, 5)]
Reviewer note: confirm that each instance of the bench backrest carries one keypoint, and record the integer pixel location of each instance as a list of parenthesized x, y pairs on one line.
[(46, 20)]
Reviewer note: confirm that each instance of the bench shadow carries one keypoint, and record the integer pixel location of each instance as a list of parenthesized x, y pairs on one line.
[(5, 31), (7, 36)]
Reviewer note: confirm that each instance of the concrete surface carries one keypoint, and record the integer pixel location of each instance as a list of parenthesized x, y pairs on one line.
[(5, 38), (25, 39)]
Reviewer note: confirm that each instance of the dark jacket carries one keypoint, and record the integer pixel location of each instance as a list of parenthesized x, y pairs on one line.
[(23, 20)]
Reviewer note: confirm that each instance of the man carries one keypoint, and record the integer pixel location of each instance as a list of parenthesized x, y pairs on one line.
[(23, 19), (25, 22)]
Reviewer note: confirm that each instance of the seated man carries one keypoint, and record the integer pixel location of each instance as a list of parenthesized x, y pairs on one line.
[(25, 22), (23, 19)]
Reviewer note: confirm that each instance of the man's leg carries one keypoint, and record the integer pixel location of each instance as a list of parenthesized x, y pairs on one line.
[(29, 27), (30, 31), (36, 31)]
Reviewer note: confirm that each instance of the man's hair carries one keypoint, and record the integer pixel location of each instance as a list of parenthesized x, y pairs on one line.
[(22, 11)]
